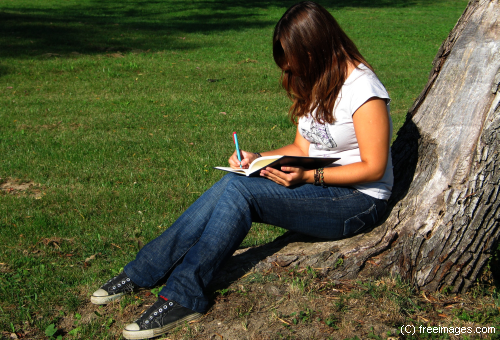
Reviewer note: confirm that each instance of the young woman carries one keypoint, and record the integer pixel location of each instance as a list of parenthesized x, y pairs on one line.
[(341, 110)]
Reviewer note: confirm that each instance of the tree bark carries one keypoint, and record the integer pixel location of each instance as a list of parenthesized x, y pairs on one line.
[(443, 224)]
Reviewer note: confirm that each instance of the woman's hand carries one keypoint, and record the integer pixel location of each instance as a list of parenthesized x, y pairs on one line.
[(289, 175), (246, 159)]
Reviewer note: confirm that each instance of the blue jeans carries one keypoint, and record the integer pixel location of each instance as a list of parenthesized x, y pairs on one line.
[(192, 250)]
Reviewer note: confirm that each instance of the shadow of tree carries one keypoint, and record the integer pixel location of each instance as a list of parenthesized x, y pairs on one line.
[(94, 27), (3, 70)]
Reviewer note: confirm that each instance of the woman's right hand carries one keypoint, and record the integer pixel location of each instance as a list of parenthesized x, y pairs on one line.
[(246, 159)]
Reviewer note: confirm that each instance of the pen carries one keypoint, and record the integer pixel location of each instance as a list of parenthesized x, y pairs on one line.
[(235, 139)]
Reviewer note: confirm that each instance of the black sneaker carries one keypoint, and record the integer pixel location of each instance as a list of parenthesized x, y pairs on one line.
[(114, 289), (161, 317)]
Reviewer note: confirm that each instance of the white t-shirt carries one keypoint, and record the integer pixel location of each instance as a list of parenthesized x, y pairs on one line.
[(339, 139)]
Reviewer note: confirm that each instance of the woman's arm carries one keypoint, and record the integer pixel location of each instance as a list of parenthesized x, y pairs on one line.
[(372, 128), (300, 147)]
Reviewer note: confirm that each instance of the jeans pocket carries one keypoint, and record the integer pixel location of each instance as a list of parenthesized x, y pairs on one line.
[(361, 221)]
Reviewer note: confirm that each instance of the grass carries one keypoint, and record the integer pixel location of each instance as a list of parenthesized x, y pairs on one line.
[(113, 115)]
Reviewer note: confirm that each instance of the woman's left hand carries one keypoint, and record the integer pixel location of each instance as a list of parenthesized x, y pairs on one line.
[(288, 175)]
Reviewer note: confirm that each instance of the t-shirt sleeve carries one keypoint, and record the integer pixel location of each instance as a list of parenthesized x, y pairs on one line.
[(367, 87)]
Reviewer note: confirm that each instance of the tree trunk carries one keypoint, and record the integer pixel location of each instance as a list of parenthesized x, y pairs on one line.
[(443, 224)]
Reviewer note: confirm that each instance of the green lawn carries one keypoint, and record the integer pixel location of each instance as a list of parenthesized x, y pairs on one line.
[(115, 113)]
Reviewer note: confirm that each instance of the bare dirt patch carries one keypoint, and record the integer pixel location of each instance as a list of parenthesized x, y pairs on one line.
[(18, 187), (59, 126)]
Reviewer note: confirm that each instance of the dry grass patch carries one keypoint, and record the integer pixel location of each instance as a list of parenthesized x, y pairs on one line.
[(17, 187)]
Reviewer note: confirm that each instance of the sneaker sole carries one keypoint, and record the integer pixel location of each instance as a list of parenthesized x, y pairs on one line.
[(103, 300), (151, 333)]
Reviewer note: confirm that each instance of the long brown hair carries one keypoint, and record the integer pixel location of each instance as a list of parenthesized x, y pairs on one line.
[(313, 53)]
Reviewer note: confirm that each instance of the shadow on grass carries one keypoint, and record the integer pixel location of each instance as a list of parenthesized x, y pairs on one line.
[(3, 70), (94, 27), (495, 269)]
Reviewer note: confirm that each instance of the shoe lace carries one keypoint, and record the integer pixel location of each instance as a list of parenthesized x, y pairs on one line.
[(121, 283), (163, 308)]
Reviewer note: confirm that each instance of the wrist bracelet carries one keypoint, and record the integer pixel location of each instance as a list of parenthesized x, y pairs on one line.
[(319, 177), (316, 177), (322, 177), (258, 154)]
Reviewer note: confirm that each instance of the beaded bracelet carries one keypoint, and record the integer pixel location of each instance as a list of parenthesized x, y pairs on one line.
[(319, 177), (322, 177), (316, 177)]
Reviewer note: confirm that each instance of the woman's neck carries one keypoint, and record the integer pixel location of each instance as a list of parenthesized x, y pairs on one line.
[(351, 66)]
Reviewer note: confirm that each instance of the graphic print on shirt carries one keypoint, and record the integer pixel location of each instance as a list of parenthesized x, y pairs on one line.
[(320, 136)]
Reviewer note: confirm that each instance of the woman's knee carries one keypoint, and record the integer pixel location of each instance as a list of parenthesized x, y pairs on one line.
[(222, 183), (229, 178), (240, 188)]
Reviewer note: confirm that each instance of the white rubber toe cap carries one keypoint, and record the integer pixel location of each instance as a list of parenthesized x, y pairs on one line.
[(132, 327), (100, 293), (132, 331), (101, 297)]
